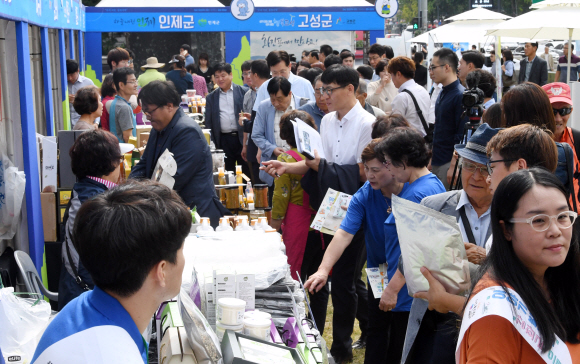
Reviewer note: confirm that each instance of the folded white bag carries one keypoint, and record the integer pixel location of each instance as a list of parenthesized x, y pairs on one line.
[(432, 239)]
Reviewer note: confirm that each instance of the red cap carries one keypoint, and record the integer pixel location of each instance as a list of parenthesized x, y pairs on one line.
[(558, 92)]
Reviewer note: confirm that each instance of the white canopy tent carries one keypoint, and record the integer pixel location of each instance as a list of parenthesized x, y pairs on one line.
[(158, 4), (480, 14), (547, 22)]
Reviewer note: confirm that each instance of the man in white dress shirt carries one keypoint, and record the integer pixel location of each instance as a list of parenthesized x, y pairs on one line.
[(402, 71)]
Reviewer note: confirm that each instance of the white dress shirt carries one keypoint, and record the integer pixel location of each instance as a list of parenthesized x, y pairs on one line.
[(301, 87), (277, 116), (403, 104), (344, 140), (437, 87), (479, 224), (228, 121)]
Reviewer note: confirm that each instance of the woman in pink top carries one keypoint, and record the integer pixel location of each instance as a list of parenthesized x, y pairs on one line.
[(198, 82)]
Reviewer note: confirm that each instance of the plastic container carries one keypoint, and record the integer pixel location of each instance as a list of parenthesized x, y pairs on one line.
[(243, 225), (230, 311), (253, 223), (258, 328), (232, 197), (261, 196), (205, 226), (224, 225), (257, 314), (220, 329)]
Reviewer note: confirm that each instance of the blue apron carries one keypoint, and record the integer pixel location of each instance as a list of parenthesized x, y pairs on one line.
[(112, 121)]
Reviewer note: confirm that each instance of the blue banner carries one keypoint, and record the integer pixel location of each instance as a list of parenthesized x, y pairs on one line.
[(63, 14), (221, 19)]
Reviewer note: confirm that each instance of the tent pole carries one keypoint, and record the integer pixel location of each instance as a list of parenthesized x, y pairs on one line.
[(569, 55)]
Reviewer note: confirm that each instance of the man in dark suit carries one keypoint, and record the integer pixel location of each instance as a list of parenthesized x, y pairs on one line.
[(175, 131), (533, 69), (223, 107)]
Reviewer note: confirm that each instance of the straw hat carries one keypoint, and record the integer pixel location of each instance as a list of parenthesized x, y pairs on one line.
[(152, 63)]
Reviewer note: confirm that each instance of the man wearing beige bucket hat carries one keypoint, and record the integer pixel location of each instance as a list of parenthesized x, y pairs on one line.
[(151, 72)]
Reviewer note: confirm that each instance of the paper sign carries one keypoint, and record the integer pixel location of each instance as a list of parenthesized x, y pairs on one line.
[(165, 169)]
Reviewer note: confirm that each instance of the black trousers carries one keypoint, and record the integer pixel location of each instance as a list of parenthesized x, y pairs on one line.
[(349, 296), (313, 254), (436, 340), (230, 143), (386, 333)]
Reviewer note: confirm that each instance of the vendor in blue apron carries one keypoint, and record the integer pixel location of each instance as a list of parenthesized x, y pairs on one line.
[(122, 121)]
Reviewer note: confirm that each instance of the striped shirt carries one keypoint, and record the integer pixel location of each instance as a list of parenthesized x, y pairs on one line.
[(109, 184), (563, 68)]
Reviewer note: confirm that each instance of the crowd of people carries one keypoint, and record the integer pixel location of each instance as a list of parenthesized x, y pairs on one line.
[(515, 181)]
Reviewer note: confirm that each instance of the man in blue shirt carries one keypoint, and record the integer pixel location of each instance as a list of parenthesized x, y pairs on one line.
[(184, 51), (279, 63), (316, 108), (132, 272), (448, 111)]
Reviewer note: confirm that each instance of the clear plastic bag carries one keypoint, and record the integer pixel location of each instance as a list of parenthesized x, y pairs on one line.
[(22, 323), (12, 187), (432, 239)]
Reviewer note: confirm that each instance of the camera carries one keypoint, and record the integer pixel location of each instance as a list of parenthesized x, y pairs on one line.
[(473, 97)]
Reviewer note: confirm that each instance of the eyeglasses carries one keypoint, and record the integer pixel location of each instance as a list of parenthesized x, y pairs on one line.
[(471, 168), (490, 168), (542, 222), (148, 113), (131, 82), (432, 68), (374, 58), (563, 111), (130, 61), (329, 91), (246, 74)]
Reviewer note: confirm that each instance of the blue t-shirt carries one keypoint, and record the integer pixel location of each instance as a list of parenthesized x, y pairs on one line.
[(422, 187), (182, 84), (92, 328), (368, 208)]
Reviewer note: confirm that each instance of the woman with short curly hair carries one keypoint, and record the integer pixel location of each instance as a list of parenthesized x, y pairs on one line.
[(88, 105)]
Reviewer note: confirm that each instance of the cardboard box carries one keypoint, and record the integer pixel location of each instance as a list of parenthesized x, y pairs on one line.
[(246, 289), (49, 164), (48, 204), (233, 353)]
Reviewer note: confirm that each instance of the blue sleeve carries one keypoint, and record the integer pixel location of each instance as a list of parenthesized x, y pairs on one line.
[(355, 214), (509, 69), (261, 95), (259, 134), (189, 80)]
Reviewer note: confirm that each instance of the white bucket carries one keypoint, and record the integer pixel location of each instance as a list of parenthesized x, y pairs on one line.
[(230, 311), (258, 328), (220, 329)]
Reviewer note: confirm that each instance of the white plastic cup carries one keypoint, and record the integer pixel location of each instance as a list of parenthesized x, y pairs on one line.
[(258, 328), (190, 93), (220, 329), (230, 311)]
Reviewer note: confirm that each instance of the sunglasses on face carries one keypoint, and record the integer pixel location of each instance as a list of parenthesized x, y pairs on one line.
[(563, 111)]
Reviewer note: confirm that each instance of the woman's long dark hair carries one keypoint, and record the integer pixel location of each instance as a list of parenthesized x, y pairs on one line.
[(560, 317)]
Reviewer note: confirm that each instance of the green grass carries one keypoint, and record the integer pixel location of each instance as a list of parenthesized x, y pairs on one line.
[(359, 354)]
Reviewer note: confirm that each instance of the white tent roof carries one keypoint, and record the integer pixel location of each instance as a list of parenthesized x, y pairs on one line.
[(550, 22), (472, 31), (544, 3), (481, 14), (159, 4), (309, 3)]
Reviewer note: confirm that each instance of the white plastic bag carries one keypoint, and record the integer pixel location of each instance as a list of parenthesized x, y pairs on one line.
[(432, 239), (12, 186), (22, 323)]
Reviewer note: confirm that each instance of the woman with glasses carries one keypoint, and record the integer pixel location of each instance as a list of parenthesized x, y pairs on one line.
[(406, 157), (524, 306), (431, 335)]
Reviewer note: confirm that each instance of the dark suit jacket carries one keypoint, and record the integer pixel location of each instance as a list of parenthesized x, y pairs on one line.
[(538, 73), (194, 176), (212, 113)]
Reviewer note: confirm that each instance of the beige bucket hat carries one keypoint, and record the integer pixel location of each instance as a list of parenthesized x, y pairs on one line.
[(152, 63)]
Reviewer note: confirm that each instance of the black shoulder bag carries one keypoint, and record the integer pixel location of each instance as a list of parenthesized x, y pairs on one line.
[(428, 127)]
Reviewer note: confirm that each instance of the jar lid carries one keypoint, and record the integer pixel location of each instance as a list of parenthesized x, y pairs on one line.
[(257, 314), (257, 322), (229, 327), (231, 187), (230, 302)]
